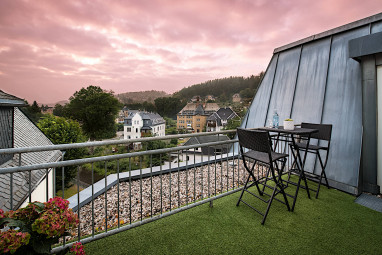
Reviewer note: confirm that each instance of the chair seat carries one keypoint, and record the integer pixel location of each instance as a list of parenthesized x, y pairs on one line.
[(264, 157), (311, 146)]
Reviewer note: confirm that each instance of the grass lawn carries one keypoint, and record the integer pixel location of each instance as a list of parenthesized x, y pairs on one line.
[(332, 224), (71, 191)]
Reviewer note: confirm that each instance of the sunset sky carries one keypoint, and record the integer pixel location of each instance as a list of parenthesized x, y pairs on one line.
[(50, 49)]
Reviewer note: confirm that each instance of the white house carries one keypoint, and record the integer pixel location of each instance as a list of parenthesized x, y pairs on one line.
[(139, 122)]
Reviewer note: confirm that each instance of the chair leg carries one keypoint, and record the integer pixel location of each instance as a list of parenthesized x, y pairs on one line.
[(285, 197), (265, 181), (323, 174), (269, 205), (254, 179), (244, 188)]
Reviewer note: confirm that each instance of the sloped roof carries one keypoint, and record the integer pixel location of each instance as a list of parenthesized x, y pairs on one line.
[(215, 117), (195, 108), (226, 113), (206, 139), (154, 118), (199, 110), (26, 134), (10, 100), (222, 114)]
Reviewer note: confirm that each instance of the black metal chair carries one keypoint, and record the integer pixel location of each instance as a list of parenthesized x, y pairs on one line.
[(255, 145), (324, 134)]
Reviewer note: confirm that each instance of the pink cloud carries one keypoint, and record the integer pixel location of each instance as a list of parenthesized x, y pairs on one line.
[(50, 49)]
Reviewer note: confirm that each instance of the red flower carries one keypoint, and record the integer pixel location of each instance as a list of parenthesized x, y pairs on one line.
[(78, 249), (11, 240)]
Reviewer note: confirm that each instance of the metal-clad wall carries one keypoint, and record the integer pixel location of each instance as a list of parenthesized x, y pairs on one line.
[(343, 109), (310, 87), (318, 82), (376, 27), (284, 84)]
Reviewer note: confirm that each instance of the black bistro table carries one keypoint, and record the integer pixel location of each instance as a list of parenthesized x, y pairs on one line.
[(293, 136)]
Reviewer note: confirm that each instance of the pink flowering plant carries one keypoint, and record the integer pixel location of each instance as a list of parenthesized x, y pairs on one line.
[(35, 228)]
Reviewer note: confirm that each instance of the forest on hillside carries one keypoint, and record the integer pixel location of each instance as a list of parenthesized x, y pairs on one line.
[(140, 96), (224, 88), (221, 89)]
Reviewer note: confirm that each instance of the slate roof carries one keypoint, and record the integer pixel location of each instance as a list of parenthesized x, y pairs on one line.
[(194, 109), (10, 100), (26, 134), (199, 110), (211, 150), (222, 114), (206, 139), (149, 118)]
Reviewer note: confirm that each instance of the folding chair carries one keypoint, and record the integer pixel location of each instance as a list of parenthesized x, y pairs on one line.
[(324, 134), (255, 145)]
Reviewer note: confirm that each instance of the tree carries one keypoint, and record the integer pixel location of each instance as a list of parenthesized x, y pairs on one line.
[(232, 124), (32, 111), (168, 106), (58, 110), (96, 110), (247, 93), (60, 130)]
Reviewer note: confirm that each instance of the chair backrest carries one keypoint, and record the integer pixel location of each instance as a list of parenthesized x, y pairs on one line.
[(324, 130), (256, 140)]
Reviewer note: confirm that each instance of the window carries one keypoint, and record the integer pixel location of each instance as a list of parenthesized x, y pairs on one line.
[(197, 125), (197, 119), (128, 130), (136, 130)]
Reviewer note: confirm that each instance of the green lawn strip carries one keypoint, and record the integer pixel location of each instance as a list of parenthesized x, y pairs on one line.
[(71, 191), (332, 224)]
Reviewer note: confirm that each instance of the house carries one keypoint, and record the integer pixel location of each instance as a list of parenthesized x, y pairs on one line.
[(193, 117), (210, 98), (47, 109), (210, 150), (139, 123), (334, 77), (18, 131), (236, 98), (219, 119), (124, 113), (195, 99)]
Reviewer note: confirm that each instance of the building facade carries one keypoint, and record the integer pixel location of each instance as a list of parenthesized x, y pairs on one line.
[(193, 117), (219, 119), (139, 123), (236, 98)]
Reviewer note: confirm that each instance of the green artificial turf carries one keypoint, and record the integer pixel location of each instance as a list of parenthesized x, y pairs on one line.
[(332, 224)]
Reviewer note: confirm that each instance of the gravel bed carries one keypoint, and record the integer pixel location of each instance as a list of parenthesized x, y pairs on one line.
[(183, 191)]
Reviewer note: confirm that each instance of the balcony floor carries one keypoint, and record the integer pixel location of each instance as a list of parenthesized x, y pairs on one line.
[(332, 224)]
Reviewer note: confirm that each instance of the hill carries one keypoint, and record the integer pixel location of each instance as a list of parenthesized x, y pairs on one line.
[(140, 97), (224, 88)]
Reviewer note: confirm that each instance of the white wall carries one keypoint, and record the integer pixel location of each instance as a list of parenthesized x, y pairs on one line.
[(137, 123), (379, 126), (39, 194)]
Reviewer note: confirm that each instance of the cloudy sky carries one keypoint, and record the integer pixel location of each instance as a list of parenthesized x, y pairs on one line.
[(50, 49)]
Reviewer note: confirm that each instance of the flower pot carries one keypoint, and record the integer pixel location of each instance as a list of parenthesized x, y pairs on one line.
[(288, 125)]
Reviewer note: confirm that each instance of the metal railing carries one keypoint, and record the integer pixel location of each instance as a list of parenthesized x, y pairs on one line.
[(130, 198)]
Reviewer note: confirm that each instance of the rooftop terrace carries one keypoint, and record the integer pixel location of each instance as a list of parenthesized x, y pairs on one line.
[(332, 224)]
